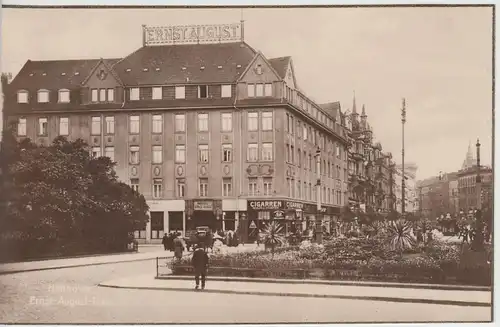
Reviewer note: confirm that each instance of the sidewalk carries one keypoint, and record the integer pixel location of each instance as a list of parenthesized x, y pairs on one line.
[(144, 254), (354, 292)]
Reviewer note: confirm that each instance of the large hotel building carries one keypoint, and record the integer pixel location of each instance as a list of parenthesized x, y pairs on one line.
[(208, 129)]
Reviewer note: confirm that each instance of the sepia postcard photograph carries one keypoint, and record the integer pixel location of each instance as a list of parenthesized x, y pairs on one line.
[(247, 165)]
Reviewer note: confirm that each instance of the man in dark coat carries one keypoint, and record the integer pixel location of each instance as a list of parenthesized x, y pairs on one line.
[(200, 265), (164, 241)]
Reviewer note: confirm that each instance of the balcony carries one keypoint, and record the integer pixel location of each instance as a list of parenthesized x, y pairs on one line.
[(312, 110)]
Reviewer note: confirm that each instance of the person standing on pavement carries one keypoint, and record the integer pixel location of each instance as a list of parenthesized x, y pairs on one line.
[(200, 265), (179, 246), (164, 241)]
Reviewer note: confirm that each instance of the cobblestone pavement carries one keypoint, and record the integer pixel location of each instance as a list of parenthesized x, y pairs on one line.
[(71, 296)]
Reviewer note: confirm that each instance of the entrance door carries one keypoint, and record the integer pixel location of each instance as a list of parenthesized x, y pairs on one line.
[(156, 224)]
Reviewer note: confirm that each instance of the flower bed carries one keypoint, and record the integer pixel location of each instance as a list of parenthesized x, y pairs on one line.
[(347, 260)]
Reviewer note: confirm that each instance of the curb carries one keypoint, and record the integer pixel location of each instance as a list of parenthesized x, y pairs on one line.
[(8, 272), (304, 295), (337, 282)]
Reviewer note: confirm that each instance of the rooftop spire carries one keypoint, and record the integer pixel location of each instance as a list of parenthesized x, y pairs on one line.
[(354, 103), (363, 111), (469, 158)]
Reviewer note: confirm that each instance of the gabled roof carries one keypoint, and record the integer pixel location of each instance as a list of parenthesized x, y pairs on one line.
[(257, 55), (55, 74), (183, 64), (280, 65), (331, 108), (108, 67)]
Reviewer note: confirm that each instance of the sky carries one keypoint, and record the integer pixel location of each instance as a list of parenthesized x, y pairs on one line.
[(439, 59)]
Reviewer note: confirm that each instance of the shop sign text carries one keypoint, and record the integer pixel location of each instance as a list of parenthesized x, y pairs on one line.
[(203, 205), (266, 205)]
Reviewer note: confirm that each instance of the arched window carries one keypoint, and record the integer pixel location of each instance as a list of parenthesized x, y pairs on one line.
[(64, 96), (22, 96), (43, 96)]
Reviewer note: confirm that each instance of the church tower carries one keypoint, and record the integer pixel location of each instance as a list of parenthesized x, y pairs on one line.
[(469, 158)]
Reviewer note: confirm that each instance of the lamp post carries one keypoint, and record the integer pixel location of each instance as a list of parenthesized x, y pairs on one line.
[(319, 229), (403, 121), (478, 242)]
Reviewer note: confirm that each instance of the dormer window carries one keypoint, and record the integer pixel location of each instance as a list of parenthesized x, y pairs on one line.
[(64, 96), (203, 91), (128, 70), (22, 96), (77, 73), (43, 96), (134, 94)]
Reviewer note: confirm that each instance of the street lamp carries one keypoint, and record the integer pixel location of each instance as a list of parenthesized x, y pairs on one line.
[(403, 121), (319, 229), (478, 242)]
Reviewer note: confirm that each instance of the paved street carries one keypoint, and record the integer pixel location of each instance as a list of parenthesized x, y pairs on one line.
[(71, 296)]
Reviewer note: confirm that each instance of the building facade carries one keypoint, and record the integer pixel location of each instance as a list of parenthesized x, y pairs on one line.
[(371, 171), (212, 134), (411, 198)]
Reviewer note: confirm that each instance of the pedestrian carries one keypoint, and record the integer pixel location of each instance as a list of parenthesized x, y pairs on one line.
[(179, 246), (164, 241), (200, 265)]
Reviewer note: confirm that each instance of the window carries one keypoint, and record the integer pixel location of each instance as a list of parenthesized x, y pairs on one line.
[(181, 187), (134, 184), (95, 95), (134, 154), (180, 153), (180, 123), (226, 91), (227, 187), (42, 126), (203, 152), (96, 152), (202, 122), (157, 154), (134, 124), (251, 90), (259, 90), (267, 151), (21, 127), (111, 95), (202, 91), (252, 186), (96, 126), (305, 132), (157, 93), (157, 124), (258, 69), (227, 152), (110, 124), (43, 96), (180, 92), (253, 121), (63, 96), (203, 187), (267, 121), (22, 97), (157, 188), (134, 94), (64, 126), (227, 122), (268, 90), (268, 185), (109, 152), (252, 154), (102, 95)]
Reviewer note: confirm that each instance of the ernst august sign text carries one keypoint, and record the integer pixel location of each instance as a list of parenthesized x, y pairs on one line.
[(191, 34)]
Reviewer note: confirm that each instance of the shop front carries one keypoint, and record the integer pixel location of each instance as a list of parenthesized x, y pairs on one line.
[(204, 213)]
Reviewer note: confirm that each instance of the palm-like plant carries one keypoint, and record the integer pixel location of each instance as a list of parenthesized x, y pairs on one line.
[(271, 236), (400, 237)]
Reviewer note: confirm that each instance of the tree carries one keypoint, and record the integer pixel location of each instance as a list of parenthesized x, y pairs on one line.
[(61, 199)]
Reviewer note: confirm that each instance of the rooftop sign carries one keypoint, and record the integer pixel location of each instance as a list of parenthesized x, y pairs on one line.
[(192, 34)]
